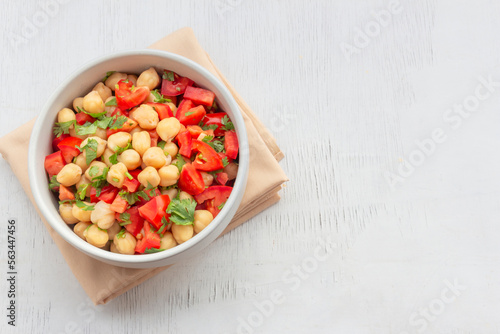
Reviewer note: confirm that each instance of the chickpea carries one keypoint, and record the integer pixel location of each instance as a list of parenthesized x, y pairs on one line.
[(65, 115), (96, 236), (78, 103), (109, 109), (101, 145), (134, 130), (172, 193), (149, 78), (171, 149), (102, 215), (80, 227), (149, 175), (101, 133), (125, 244), (93, 103), (72, 133), (201, 219), (66, 212), (141, 141), (106, 246), (131, 159), (119, 140), (113, 79), (146, 116), (103, 91), (81, 162), (155, 157), (208, 179), (95, 170), (84, 181), (185, 195), (106, 155), (167, 241), (231, 170), (112, 248), (168, 175), (69, 175), (133, 79), (168, 128), (182, 233), (80, 214), (150, 98), (113, 230), (116, 175), (172, 106)]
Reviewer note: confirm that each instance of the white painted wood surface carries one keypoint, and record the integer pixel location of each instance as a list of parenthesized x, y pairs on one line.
[(343, 126)]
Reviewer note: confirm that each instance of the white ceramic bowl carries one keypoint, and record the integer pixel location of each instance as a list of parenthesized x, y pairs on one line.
[(80, 83)]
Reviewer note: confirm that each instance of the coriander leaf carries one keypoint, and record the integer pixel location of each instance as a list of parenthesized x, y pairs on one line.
[(218, 145), (180, 162), (63, 127), (104, 122), (214, 105), (53, 184), (108, 74), (227, 124), (91, 114), (82, 190), (159, 98), (206, 139), (178, 89), (90, 151), (125, 217), (209, 127), (86, 129), (161, 144), (118, 123), (132, 198), (114, 158), (189, 113), (225, 162), (221, 206), (84, 206), (182, 211), (93, 171), (111, 102), (168, 75), (164, 225), (120, 150), (121, 234), (153, 250)]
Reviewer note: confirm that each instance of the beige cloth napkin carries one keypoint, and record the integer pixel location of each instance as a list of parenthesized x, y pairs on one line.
[(103, 282)]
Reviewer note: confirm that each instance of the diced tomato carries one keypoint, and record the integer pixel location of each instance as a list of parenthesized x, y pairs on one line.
[(209, 132), (185, 143), (128, 97), (200, 96), (54, 163), (183, 108), (216, 119), (172, 98), (154, 137), (191, 117), (176, 87), (128, 126), (150, 193), (136, 221), (135, 173), (221, 178), (207, 158), (65, 193), (194, 130), (214, 197), (57, 140), (69, 148), (108, 194), (119, 205), (231, 144), (118, 112), (131, 185), (149, 240), (82, 118), (163, 110), (191, 180), (154, 210)]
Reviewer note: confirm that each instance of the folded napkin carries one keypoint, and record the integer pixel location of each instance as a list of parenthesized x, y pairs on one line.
[(103, 282)]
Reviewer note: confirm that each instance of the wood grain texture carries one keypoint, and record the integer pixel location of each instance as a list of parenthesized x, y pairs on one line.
[(342, 125)]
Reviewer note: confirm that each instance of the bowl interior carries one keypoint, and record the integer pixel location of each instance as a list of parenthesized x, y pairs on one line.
[(79, 84)]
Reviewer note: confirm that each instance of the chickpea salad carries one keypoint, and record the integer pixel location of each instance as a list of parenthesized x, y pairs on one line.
[(142, 164)]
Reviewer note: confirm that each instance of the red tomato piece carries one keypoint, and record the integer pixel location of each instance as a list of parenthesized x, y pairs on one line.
[(192, 116), (119, 205), (154, 137), (57, 140), (69, 148), (163, 110), (154, 210), (200, 96), (183, 108), (128, 126), (207, 159), (231, 144), (149, 240), (82, 118), (191, 180), (128, 96), (222, 178), (185, 143), (216, 119), (65, 193), (176, 87), (194, 130), (108, 194), (214, 196), (54, 163), (118, 112), (131, 185), (136, 221)]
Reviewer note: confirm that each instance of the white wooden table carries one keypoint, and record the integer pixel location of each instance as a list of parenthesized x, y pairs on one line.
[(390, 223)]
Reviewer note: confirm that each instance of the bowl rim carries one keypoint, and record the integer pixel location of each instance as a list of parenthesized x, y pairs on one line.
[(67, 234)]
